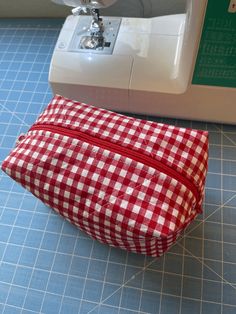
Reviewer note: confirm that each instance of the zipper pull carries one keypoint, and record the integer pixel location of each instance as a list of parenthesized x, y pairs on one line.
[(20, 138)]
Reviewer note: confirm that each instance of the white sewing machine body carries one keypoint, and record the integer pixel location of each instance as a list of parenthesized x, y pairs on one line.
[(146, 67)]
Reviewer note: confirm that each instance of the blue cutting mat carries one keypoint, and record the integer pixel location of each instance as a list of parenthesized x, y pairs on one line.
[(49, 266)]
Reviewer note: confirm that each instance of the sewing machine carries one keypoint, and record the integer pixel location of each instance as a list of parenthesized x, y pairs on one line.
[(146, 65)]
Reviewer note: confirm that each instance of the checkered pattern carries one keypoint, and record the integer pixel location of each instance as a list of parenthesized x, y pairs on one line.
[(117, 200)]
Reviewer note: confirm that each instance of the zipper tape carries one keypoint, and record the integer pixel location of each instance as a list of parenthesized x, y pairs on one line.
[(116, 148)]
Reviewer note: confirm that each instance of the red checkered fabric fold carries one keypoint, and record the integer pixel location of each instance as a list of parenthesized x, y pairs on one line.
[(130, 183)]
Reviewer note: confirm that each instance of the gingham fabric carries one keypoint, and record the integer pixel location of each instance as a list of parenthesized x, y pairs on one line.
[(130, 183)]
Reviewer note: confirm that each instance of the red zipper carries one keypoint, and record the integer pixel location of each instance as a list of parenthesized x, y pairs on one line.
[(116, 148)]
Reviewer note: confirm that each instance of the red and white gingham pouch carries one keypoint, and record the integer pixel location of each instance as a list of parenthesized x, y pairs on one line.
[(126, 182)]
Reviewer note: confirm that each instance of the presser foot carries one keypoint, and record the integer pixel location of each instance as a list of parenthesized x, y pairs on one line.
[(98, 36)]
